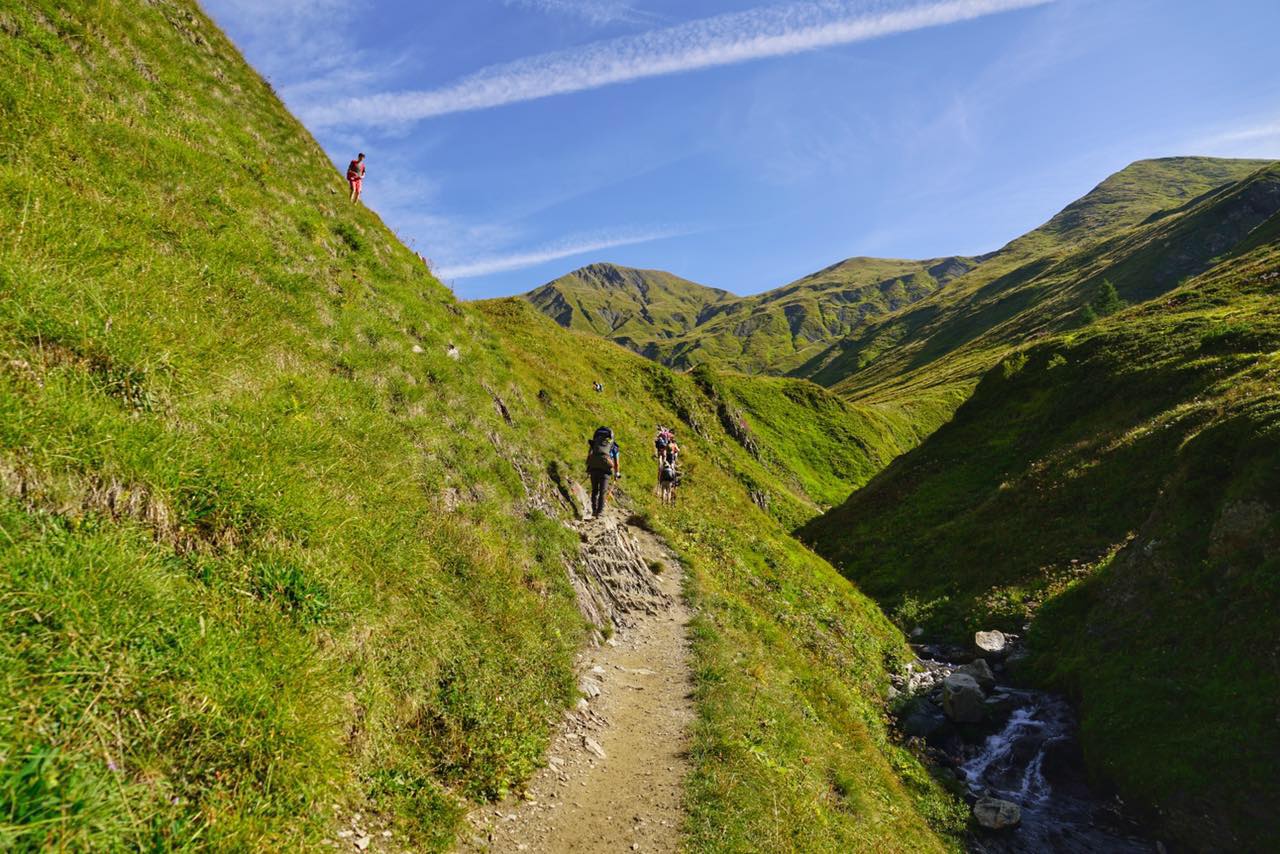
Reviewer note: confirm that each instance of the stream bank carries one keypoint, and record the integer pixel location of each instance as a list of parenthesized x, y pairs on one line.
[(1013, 751)]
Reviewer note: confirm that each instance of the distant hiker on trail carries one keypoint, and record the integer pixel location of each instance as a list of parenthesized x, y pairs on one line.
[(602, 466), (667, 452), (663, 445), (355, 176), (660, 443), (668, 480)]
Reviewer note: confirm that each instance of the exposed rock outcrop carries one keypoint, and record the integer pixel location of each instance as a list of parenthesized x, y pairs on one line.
[(611, 579), (924, 720)]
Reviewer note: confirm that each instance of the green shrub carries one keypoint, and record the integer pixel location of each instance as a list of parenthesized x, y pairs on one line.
[(349, 236), (1106, 301)]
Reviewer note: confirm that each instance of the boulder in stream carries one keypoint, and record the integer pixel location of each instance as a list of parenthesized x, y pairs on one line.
[(981, 673), (962, 699), (992, 645), (995, 814), (923, 720)]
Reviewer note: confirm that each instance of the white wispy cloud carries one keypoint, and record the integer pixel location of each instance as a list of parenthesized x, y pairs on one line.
[(289, 37), (502, 263), (706, 43), (303, 49), (1257, 138), (597, 12), (1248, 134)]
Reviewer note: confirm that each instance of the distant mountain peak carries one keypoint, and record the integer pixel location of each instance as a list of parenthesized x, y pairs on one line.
[(833, 324), (679, 322), (623, 302), (1144, 188)]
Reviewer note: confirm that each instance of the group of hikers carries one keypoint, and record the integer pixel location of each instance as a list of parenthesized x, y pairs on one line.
[(668, 454), (603, 454), (603, 466)]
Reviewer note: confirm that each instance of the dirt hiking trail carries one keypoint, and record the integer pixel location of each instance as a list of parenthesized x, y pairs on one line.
[(614, 774)]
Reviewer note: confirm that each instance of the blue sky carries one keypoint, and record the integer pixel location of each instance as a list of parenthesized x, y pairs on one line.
[(746, 143)]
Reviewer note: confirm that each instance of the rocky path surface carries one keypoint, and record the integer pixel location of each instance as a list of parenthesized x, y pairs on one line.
[(614, 773)]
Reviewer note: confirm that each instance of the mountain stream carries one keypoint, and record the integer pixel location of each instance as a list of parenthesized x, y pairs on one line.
[(1026, 753)]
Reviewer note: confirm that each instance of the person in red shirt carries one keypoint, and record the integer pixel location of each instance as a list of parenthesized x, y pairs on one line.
[(355, 176)]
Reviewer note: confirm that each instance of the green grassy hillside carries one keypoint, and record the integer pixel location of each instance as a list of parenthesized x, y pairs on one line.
[(1144, 229), (791, 752), (626, 304), (281, 522), (810, 442), (681, 324), (1117, 487), (887, 331), (780, 330), (239, 583)]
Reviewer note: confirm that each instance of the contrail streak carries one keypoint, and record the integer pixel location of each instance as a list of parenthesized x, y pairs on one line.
[(520, 260), (706, 43)]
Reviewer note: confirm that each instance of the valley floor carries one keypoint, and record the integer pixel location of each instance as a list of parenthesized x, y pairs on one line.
[(614, 774)]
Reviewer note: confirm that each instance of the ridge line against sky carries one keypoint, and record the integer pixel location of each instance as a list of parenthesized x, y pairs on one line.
[(728, 39), (870, 127)]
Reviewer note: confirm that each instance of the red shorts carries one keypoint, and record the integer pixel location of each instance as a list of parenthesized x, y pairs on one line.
[(355, 183)]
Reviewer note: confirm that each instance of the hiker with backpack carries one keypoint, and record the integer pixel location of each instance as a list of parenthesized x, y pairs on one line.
[(667, 452), (668, 480), (660, 443), (602, 467), (355, 176)]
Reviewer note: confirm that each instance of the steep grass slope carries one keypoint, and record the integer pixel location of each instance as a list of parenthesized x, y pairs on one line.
[(812, 444), (1118, 487), (281, 521), (791, 752), (233, 594), (1144, 229)]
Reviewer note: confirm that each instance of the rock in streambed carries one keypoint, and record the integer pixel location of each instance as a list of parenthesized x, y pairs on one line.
[(963, 699), (995, 814)]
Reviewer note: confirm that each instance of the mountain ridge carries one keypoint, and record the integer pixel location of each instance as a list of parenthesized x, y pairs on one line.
[(1036, 283), (623, 297), (769, 332), (822, 325)]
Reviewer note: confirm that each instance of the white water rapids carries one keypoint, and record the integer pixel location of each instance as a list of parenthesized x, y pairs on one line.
[(1034, 762)]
